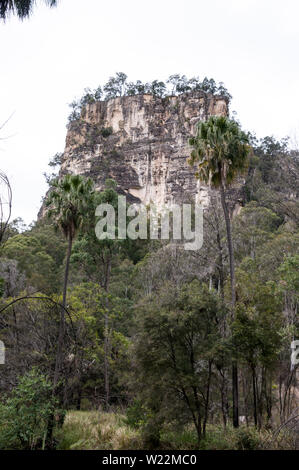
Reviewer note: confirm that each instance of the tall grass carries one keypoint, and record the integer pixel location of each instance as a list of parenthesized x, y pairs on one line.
[(94, 430), (97, 430)]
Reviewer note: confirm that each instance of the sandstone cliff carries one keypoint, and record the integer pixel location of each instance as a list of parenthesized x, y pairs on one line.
[(141, 142)]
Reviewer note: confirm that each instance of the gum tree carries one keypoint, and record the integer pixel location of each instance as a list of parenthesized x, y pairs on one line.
[(95, 257), (177, 343)]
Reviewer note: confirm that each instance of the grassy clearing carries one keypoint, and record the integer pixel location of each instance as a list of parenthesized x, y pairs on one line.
[(95, 430)]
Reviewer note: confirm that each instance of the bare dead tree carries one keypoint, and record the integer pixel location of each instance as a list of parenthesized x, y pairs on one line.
[(5, 194), (5, 203)]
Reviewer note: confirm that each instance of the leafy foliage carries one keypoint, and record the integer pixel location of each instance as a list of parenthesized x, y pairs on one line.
[(24, 415), (68, 201), (177, 342), (220, 150)]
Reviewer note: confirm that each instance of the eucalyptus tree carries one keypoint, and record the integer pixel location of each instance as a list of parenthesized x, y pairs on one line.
[(179, 84), (95, 257), (158, 88), (115, 86), (176, 346), (220, 151)]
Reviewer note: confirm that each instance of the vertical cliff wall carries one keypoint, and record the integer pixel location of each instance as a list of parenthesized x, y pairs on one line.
[(141, 142)]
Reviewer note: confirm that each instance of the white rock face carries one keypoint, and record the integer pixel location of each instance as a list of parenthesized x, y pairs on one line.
[(147, 148)]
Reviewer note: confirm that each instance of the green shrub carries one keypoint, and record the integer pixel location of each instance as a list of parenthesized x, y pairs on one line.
[(136, 414), (247, 439), (106, 131), (25, 414), (151, 434), (219, 438), (181, 439)]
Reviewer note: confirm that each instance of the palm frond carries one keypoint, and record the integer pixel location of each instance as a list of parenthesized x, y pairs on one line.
[(220, 149)]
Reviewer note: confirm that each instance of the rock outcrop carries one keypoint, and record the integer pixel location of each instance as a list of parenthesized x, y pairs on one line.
[(141, 142)]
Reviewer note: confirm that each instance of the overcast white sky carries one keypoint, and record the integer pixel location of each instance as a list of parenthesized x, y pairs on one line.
[(46, 61)]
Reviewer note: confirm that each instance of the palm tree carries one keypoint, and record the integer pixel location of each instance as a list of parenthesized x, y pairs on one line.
[(69, 202), (220, 150), (22, 8)]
